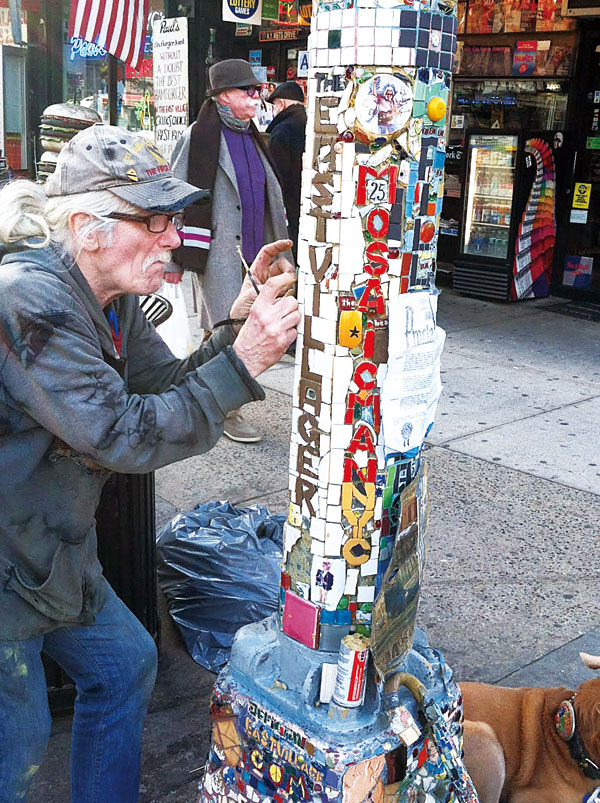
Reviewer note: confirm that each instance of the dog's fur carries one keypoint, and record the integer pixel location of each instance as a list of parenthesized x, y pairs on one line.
[(512, 749)]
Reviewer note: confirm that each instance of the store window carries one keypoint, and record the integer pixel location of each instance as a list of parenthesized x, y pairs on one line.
[(85, 70), (519, 104), (135, 93), (86, 77)]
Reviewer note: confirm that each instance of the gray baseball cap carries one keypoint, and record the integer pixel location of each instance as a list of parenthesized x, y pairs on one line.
[(104, 157)]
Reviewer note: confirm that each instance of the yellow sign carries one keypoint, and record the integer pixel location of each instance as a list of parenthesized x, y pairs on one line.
[(581, 196), (350, 328)]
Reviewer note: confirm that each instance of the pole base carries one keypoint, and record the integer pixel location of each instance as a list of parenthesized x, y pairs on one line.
[(273, 741)]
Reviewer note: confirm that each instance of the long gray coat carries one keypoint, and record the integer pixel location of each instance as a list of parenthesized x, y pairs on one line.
[(219, 284)]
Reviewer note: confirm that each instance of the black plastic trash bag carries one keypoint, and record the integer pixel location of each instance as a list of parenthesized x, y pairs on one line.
[(219, 567)]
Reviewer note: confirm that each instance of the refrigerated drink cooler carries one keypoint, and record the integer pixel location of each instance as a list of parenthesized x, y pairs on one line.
[(509, 217)]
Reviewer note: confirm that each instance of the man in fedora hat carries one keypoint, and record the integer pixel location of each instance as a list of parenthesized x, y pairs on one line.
[(287, 133), (223, 152)]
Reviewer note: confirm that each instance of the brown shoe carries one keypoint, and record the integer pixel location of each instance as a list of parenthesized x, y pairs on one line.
[(238, 429)]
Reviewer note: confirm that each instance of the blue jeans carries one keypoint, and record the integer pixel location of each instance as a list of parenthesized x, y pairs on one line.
[(113, 664)]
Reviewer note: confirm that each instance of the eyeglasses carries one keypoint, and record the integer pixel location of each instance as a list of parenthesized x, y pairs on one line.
[(251, 91), (154, 223)]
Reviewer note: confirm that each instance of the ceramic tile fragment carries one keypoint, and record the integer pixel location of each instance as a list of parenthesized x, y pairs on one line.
[(291, 535), (334, 537), (365, 594), (328, 678), (351, 581), (301, 620)]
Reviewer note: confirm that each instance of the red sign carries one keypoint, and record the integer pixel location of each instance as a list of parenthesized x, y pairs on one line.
[(291, 72), (288, 13), (530, 46)]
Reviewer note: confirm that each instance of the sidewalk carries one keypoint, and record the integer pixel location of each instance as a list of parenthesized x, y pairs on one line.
[(514, 466)]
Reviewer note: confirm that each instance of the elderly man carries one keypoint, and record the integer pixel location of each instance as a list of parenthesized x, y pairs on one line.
[(88, 388), (223, 152), (287, 135)]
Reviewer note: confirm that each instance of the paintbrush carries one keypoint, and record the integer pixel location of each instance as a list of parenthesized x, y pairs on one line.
[(247, 269)]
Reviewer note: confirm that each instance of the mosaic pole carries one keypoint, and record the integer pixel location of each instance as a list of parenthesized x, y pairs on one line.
[(339, 698)]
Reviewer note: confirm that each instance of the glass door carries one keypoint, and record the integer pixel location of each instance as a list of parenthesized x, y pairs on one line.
[(489, 195)]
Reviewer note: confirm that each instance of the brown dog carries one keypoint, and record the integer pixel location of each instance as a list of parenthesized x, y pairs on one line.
[(516, 753)]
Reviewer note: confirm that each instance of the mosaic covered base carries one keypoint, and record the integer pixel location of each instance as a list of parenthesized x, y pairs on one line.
[(273, 742)]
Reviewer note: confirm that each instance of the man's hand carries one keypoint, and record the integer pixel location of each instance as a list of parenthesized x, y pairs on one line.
[(270, 328), (268, 262)]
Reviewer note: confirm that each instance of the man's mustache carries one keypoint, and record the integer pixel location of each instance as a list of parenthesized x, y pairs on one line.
[(159, 256)]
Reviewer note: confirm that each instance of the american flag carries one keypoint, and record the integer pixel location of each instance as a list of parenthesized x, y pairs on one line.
[(118, 26)]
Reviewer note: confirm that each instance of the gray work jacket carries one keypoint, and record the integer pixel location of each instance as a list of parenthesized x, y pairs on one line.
[(72, 412)]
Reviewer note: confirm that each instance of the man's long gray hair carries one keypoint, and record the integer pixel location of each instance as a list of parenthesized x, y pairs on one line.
[(31, 219)]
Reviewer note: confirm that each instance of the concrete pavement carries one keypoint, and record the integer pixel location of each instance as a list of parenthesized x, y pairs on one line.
[(510, 588)]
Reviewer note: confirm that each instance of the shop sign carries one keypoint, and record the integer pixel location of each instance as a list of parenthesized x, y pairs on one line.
[(246, 12), (288, 12), (578, 216), (271, 72), (278, 36), (243, 30), (270, 10), (303, 64), (85, 50), (171, 89), (260, 73), (454, 153), (304, 13), (593, 144), (581, 195), (254, 57)]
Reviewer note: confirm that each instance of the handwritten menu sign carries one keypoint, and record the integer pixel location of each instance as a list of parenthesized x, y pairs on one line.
[(171, 88)]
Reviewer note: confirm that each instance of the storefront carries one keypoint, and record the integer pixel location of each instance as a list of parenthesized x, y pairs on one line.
[(91, 77), (514, 72), (577, 261), (276, 49), (44, 66), (523, 68), (22, 76), (519, 68)]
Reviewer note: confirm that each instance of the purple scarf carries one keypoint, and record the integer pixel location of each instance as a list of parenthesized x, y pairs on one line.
[(250, 175)]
